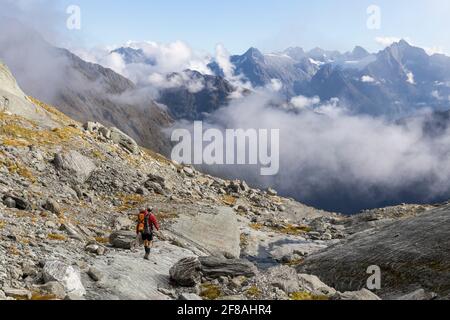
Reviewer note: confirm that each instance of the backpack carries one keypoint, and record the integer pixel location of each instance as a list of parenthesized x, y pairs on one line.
[(145, 226)]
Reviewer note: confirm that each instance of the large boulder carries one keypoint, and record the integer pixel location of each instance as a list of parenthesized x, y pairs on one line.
[(411, 253), (66, 275), (313, 285), (73, 162), (123, 239), (284, 278), (216, 267), (124, 140), (215, 232), (186, 272)]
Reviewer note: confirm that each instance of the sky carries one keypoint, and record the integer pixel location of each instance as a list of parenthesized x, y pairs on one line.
[(266, 24)]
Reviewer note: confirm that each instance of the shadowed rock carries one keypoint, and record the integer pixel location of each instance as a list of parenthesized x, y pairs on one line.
[(411, 253)]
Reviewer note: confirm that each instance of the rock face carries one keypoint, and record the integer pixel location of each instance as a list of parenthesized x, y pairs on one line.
[(186, 272), (64, 274), (211, 232), (13, 100), (73, 162), (411, 252)]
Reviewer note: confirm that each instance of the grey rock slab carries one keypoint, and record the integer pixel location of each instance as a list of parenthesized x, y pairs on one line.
[(127, 276), (411, 253), (79, 166), (217, 232)]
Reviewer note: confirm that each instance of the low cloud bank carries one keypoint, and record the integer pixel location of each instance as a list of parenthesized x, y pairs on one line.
[(338, 161)]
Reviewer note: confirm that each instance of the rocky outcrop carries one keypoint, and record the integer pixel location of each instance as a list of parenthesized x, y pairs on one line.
[(65, 275), (74, 163), (215, 267), (215, 232), (186, 272), (13, 100), (410, 253)]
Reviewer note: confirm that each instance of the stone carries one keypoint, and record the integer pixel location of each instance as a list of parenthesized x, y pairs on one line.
[(418, 295), (186, 272), (71, 231), (78, 166), (155, 187), (20, 294), (16, 202), (95, 274), (66, 275), (363, 294), (92, 248), (122, 223), (105, 132), (29, 269), (123, 239), (314, 285), (142, 191), (158, 179), (53, 288), (284, 278), (74, 297), (190, 297), (50, 224), (215, 267), (52, 206), (124, 140), (189, 172), (216, 232), (92, 126), (167, 292), (9, 202), (272, 192), (237, 282)]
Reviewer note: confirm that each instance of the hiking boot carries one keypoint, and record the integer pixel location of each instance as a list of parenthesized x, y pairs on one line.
[(147, 253)]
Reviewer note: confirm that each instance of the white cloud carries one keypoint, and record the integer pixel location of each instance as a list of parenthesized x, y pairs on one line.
[(410, 78), (332, 159), (367, 79), (302, 102), (435, 94), (434, 50), (223, 60), (387, 41), (275, 85)]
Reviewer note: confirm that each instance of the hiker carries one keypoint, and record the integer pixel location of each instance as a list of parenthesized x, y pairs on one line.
[(146, 222)]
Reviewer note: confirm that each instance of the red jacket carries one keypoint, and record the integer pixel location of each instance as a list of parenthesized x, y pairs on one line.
[(152, 220)]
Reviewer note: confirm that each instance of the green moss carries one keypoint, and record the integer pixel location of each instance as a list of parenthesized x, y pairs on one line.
[(302, 295), (292, 230), (210, 291), (253, 292)]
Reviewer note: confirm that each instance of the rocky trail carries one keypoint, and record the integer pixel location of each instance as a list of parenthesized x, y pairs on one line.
[(70, 193)]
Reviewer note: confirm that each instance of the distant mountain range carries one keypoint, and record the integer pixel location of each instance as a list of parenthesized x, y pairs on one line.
[(395, 82)]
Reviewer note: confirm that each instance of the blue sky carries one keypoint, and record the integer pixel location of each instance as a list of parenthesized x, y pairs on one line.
[(267, 24)]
